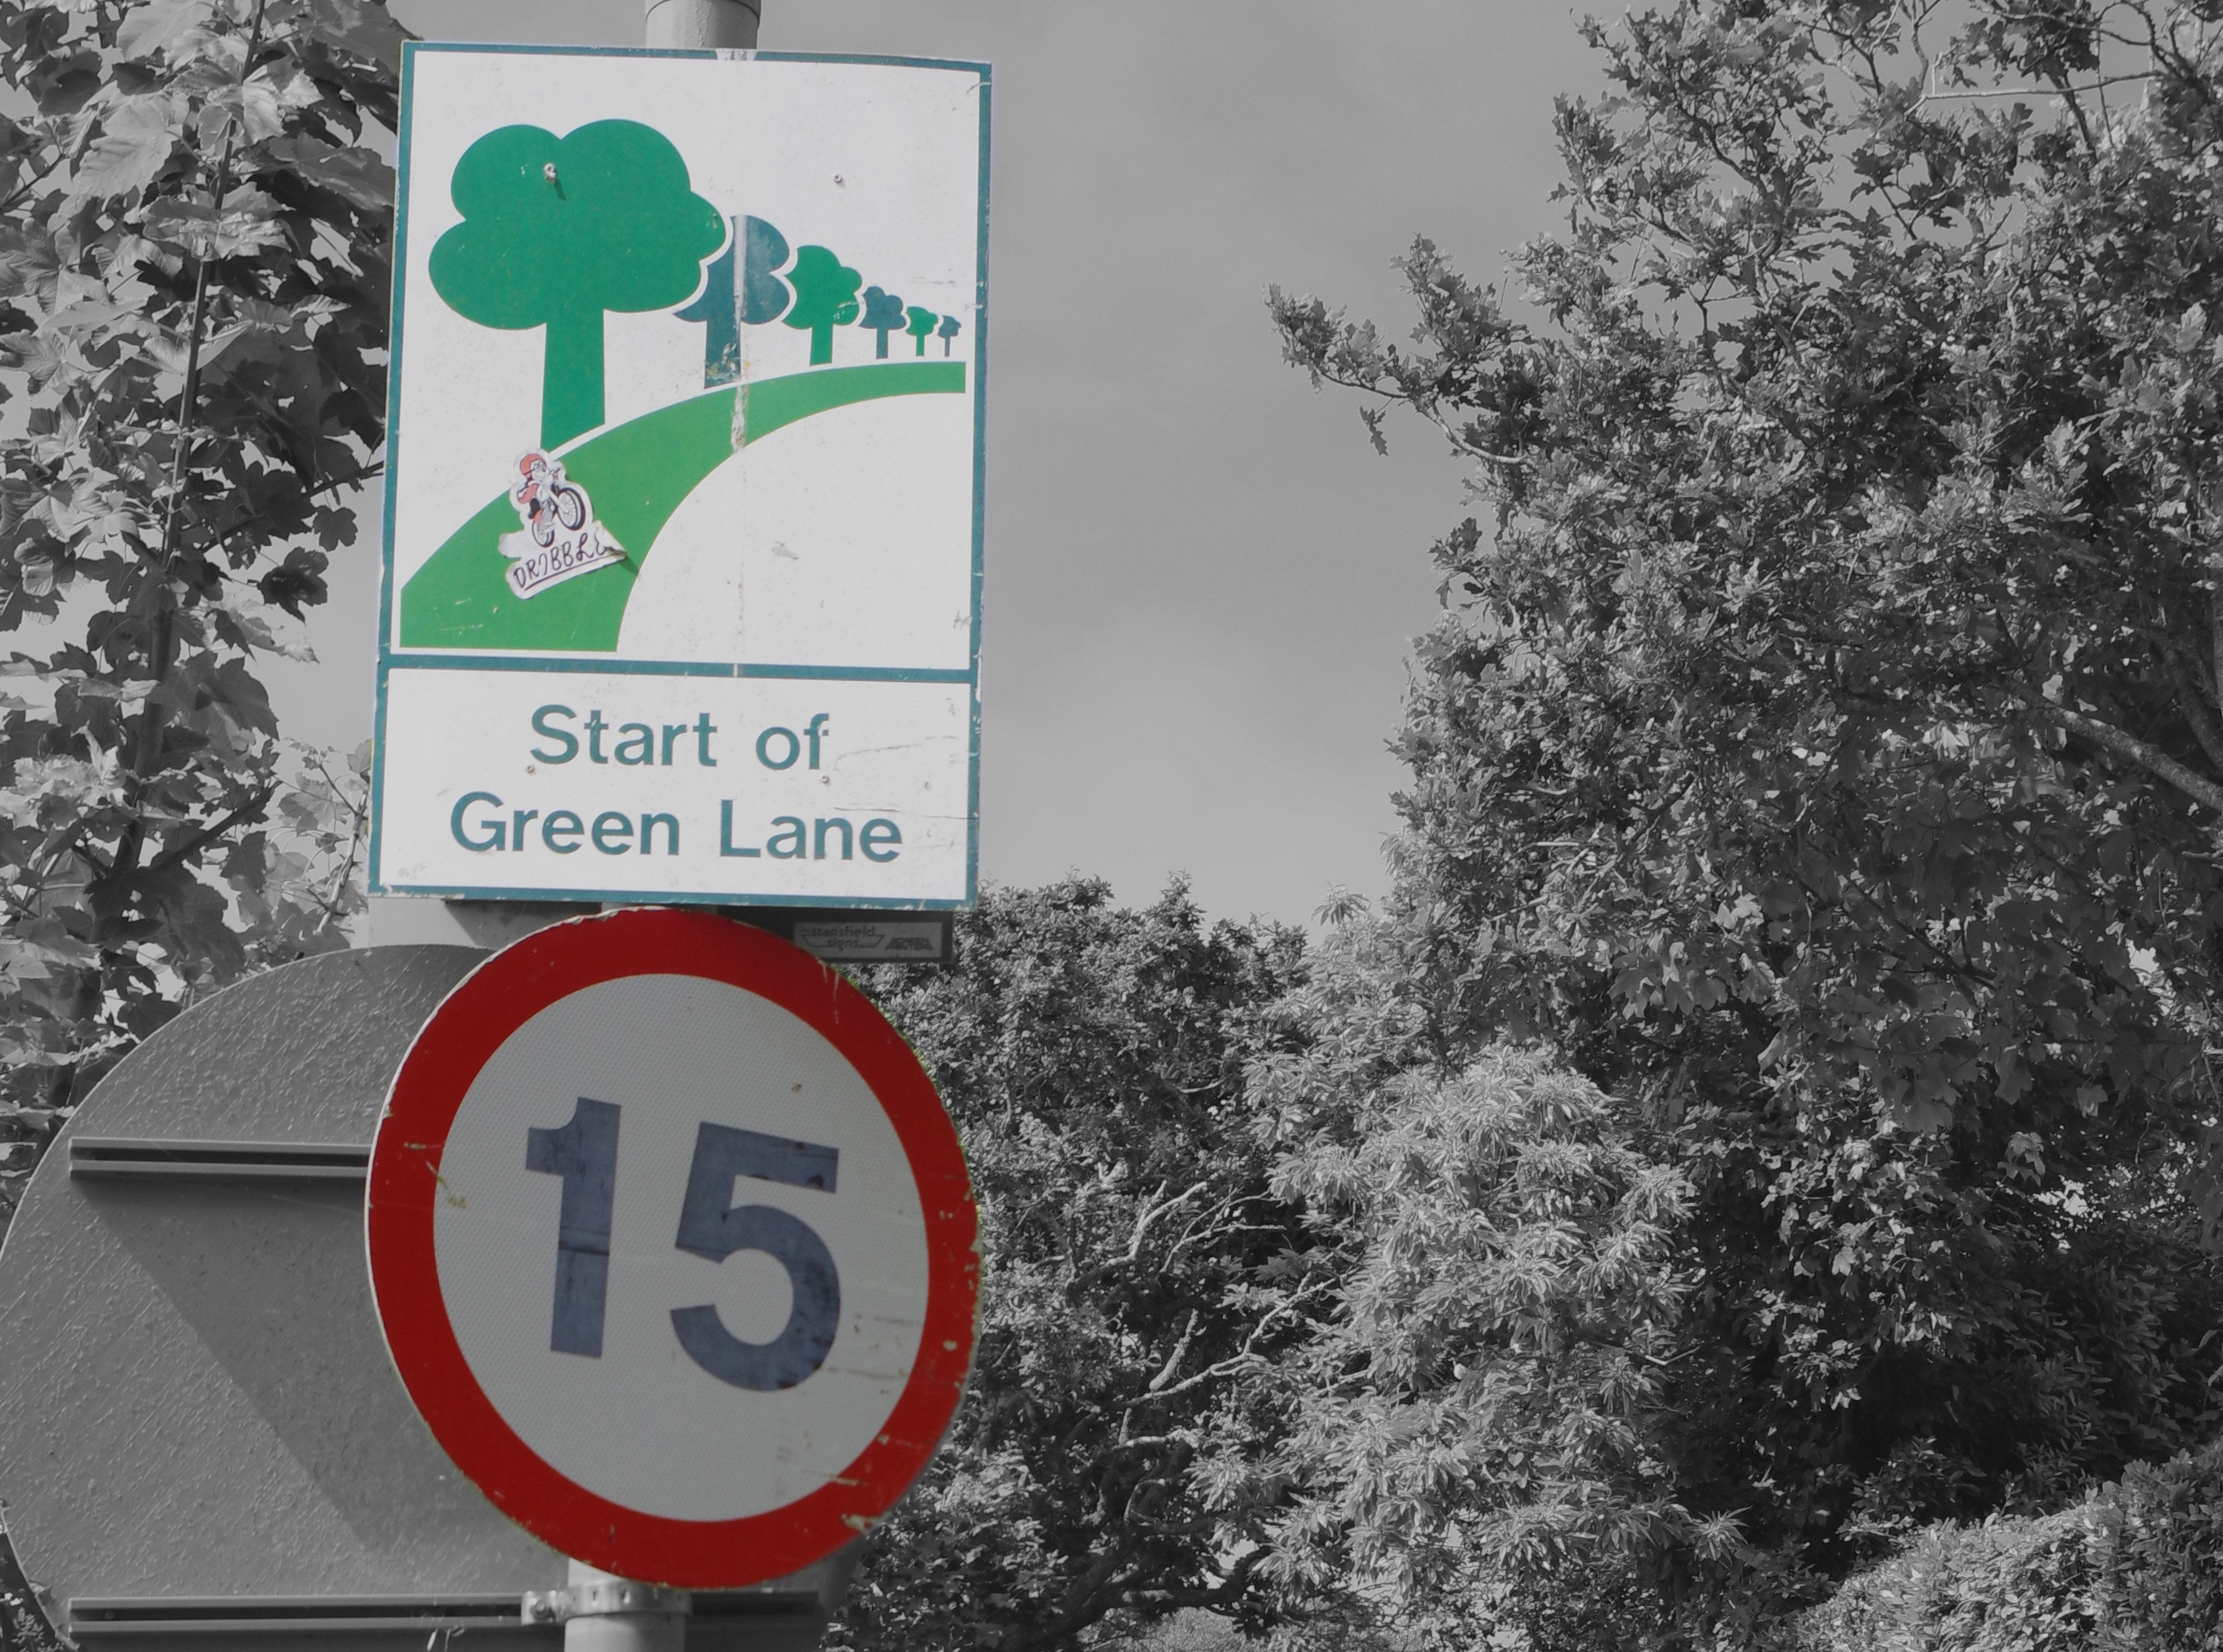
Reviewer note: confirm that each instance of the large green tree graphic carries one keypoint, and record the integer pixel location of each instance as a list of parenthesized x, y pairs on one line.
[(557, 231)]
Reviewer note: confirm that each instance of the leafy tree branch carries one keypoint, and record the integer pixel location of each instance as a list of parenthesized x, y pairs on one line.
[(193, 288)]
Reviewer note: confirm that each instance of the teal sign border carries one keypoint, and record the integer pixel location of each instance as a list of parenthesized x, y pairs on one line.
[(389, 662)]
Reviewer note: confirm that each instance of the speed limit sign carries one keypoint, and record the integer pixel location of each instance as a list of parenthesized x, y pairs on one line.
[(673, 1246)]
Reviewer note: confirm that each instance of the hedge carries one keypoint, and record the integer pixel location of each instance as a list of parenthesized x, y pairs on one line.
[(2138, 1566)]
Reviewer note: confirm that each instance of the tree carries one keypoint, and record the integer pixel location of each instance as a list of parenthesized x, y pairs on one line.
[(1470, 1441), (1821, 744), (921, 326), (1479, 1417), (194, 260), (557, 231), (825, 298), (884, 314), (193, 268), (737, 292), (950, 327), (1092, 1058)]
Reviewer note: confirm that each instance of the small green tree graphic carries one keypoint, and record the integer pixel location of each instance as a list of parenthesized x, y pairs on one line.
[(557, 231), (921, 326), (950, 327), (884, 314), (825, 298)]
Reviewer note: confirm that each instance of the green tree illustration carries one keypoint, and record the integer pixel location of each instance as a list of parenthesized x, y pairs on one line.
[(950, 327), (736, 293), (825, 298), (884, 314), (921, 326), (557, 231)]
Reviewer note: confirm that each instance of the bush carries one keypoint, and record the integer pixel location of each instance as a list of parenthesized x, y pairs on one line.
[(2136, 1566)]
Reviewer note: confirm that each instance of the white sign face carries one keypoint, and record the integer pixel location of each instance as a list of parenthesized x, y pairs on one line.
[(684, 480), (672, 1245)]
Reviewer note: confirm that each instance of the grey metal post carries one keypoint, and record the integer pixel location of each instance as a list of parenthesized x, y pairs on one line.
[(688, 24), (608, 1614), (698, 23)]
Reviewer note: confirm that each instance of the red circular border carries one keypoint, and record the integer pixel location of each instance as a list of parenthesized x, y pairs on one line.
[(471, 1023)]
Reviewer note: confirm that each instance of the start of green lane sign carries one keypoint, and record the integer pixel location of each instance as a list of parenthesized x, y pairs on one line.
[(683, 550)]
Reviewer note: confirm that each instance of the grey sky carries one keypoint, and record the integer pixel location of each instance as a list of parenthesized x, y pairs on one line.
[(1201, 582)]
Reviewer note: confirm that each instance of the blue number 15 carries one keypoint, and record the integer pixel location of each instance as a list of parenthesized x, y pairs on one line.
[(584, 1153)]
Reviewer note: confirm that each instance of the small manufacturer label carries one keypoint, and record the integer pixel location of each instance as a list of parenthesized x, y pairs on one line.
[(874, 940)]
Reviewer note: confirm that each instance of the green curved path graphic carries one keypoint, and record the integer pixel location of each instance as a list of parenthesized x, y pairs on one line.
[(638, 473)]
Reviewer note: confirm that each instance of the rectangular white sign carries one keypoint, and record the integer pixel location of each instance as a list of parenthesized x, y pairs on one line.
[(681, 593)]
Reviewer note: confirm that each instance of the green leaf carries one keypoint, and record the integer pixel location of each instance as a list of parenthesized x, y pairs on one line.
[(247, 224), (28, 264), (153, 27), (237, 688), (299, 580), (246, 112), (356, 174), (137, 138), (362, 29)]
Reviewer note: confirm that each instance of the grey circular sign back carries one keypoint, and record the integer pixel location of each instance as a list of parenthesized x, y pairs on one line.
[(194, 1401)]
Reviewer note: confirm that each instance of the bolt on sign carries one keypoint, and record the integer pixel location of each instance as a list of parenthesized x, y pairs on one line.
[(684, 485)]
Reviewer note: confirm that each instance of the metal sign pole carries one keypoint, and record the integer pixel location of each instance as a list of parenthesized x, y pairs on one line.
[(601, 1612), (698, 23)]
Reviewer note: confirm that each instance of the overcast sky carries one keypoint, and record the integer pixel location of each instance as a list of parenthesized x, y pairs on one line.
[(1201, 580)]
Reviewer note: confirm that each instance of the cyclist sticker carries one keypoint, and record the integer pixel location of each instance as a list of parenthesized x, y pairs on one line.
[(562, 539)]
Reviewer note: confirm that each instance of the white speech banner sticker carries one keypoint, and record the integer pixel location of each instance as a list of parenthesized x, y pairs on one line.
[(686, 430)]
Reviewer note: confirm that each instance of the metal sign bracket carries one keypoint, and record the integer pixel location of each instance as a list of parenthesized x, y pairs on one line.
[(604, 1598)]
